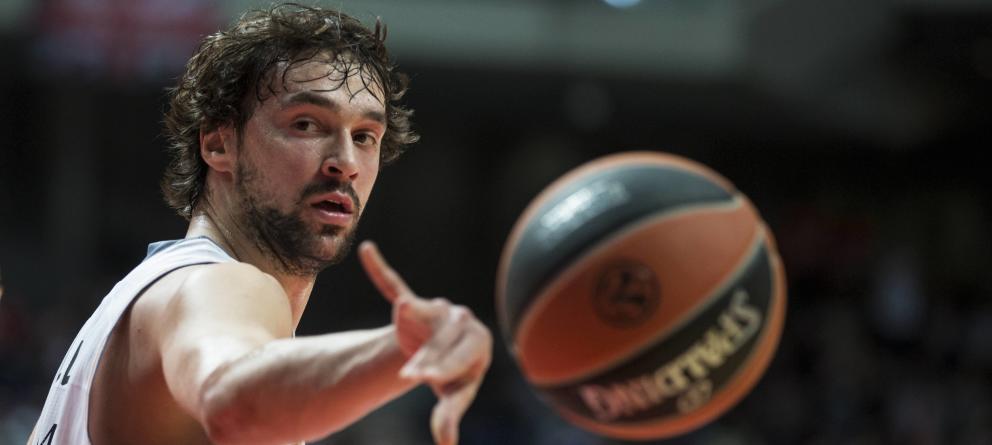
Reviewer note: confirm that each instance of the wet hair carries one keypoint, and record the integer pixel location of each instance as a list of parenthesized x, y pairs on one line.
[(232, 70)]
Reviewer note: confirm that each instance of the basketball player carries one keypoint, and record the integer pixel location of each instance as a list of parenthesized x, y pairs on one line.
[(279, 127)]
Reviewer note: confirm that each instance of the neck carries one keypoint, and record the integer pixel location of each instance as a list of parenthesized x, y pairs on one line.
[(228, 236)]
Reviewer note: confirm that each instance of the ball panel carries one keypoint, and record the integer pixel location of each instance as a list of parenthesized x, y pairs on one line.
[(696, 363), (673, 389), (585, 211), (708, 346), (606, 162), (691, 254)]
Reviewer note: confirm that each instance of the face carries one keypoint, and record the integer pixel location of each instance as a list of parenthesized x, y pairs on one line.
[(307, 160)]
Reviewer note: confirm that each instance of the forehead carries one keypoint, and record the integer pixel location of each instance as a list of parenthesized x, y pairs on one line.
[(326, 73)]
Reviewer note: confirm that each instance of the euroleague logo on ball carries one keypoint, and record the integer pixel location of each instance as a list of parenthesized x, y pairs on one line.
[(626, 294)]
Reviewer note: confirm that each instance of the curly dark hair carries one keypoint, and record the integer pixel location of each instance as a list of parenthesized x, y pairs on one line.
[(225, 79)]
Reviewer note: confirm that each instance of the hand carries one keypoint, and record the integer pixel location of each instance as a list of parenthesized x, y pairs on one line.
[(445, 345)]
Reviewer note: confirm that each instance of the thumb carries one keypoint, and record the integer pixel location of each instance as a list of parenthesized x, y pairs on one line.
[(444, 425), (453, 401)]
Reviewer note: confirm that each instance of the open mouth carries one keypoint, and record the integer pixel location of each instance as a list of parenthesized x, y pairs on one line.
[(331, 206)]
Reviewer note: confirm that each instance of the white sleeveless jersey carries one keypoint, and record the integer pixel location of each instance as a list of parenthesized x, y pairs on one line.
[(65, 416)]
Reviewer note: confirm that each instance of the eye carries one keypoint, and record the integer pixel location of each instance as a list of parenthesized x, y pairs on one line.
[(365, 138), (305, 125)]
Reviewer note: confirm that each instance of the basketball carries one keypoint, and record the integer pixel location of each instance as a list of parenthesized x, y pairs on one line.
[(641, 295)]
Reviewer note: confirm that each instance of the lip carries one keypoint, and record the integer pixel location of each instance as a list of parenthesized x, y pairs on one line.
[(342, 217), (335, 197), (333, 218)]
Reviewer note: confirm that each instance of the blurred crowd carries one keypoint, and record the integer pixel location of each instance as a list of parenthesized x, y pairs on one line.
[(852, 125)]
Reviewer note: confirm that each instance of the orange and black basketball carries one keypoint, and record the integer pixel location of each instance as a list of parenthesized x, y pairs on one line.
[(641, 295)]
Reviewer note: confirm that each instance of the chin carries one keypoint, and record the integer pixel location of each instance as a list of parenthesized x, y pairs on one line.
[(333, 244)]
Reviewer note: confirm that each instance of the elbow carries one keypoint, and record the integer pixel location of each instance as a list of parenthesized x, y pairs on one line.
[(221, 426), (223, 416)]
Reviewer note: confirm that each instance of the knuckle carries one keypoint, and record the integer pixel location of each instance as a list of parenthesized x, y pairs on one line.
[(461, 314), (481, 329)]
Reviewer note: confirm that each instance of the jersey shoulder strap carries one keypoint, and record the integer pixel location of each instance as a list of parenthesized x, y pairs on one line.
[(65, 416)]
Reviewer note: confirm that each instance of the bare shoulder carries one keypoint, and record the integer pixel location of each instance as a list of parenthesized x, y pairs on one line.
[(221, 294), (235, 278)]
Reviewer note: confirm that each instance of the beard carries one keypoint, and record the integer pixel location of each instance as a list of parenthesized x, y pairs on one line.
[(285, 236)]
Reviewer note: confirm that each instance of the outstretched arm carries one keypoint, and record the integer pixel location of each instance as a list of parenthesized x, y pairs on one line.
[(229, 360)]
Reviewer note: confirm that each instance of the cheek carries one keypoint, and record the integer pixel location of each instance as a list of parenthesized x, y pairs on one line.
[(276, 182), (286, 165)]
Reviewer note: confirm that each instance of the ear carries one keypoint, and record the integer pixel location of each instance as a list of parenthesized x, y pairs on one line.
[(218, 147)]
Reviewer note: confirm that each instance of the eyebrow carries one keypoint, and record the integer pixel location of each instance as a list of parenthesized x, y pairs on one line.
[(311, 98)]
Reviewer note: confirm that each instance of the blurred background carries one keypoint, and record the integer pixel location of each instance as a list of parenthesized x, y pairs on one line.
[(855, 126)]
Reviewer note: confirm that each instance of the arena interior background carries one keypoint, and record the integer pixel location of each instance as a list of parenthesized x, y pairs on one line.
[(857, 127)]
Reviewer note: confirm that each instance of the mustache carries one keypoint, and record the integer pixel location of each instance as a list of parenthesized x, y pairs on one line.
[(317, 188)]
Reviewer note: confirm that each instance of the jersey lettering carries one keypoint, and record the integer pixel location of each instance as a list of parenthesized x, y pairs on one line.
[(65, 376), (47, 440)]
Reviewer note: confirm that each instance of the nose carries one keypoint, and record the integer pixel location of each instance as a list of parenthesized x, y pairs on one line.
[(341, 163)]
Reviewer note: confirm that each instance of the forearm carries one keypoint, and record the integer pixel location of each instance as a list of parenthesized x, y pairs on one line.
[(302, 388)]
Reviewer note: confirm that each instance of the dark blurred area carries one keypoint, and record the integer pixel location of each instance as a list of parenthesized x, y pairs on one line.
[(855, 126)]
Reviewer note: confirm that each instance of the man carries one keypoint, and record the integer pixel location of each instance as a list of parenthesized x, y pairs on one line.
[(278, 128)]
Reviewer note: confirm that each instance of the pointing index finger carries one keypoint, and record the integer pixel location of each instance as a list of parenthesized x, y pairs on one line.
[(389, 283)]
